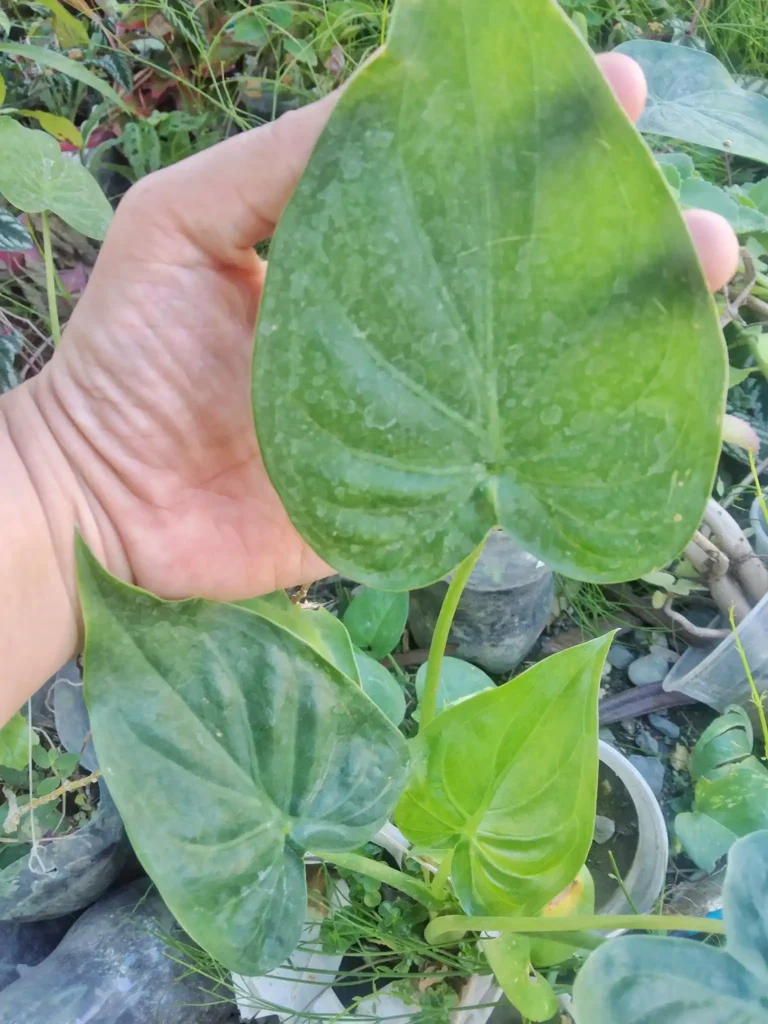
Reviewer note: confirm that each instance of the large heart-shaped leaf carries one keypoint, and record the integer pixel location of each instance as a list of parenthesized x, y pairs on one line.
[(484, 309), (230, 747), (643, 980), (508, 779), (692, 96), (35, 176)]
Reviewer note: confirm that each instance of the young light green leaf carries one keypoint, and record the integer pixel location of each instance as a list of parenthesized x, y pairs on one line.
[(509, 957), (478, 774), (644, 980), (35, 176), (458, 680), (693, 97), (14, 237), (52, 59), (231, 715), (463, 364), (375, 620), (13, 742), (382, 687), (70, 32)]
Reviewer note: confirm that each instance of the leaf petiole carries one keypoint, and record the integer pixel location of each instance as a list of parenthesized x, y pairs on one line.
[(446, 926), (50, 279), (412, 887)]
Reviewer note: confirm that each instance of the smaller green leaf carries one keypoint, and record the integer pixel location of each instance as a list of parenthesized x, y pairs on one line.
[(509, 957), (251, 30), (3, 90), (35, 176), (577, 898), (726, 740), (458, 680), (57, 61), (737, 375), (13, 742), (65, 764), (118, 65), (46, 786), (376, 619), (681, 162), (477, 774), (382, 687), (302, 50), (14, 237), (70, 32), (696, 193), (141, 146), (41, 756), (278, 13), (5, 23)]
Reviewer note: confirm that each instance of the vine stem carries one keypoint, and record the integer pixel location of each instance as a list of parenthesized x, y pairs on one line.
[(552, 925), (440, 636), (50, 279), (412, 887)]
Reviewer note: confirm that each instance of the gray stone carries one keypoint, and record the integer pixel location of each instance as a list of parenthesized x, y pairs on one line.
[(652, 770), (664, 726), (664, 652), (629, 726), (606, 672), (620, 656), (605, 829), (607, 736), (648, 670), (646, 742)]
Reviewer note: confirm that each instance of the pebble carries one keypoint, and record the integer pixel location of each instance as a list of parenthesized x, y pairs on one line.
[(646, 742), (664, 726), (629, 726), (648, 670), (620, 656), (665, 652), (652, 770), (605, 829), (607, 736)]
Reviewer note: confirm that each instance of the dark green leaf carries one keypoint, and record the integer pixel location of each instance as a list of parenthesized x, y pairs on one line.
[(11, 343), (13, 742), (693, 97), (141, 146), (302, 50), (41, 757), (473, 286), (46, 786), (251, 30), (52, 59), (118, 65), (14, 237), (479, 773), (726, 740), (35, 176), (382, 687), (458, 680), (643, 980), (247, 746), (375, 620), (509, 957), (65, 764)]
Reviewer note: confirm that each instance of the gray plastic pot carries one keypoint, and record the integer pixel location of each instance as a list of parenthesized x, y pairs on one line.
[(72, 872), (502, 612)]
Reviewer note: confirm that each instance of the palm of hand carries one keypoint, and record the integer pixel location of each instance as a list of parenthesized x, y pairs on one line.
[(161, 395)]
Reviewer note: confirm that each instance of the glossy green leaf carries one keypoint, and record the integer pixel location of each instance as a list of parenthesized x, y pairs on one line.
[(485, 245), (693, 97), (725, 741), (48, 58), (230, 748), (643, 980), (14, 237), (508, 779), (35, 176), (13, 742), (726, 809), (315, 627), (375, 620), (458, 680), (382, 687), (509, 957)]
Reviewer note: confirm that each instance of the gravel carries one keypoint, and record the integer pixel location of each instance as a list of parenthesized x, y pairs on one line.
[(652, 770), (664, 726), (620, 656), (648, 670)]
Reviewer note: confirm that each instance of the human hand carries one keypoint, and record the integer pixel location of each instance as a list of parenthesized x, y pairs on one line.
[(148, 397)]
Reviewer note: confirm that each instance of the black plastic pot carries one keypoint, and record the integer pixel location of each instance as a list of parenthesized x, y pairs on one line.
[(25, 945), (114, 966), (70, 871), (502, 612)]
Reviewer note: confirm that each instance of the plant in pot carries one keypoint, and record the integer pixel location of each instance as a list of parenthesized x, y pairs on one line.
[(454, 294)]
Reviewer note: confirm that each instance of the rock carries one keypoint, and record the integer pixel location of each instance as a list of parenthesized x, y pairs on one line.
[(652, 770), (629, 726), (605, 829), (648, 670), (27, 944), (606, 672), (664, 726), (664, 652), (646, 742), (114, 966), (620, 656), (607, 736)]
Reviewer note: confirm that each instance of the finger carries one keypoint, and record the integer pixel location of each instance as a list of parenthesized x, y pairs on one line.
[(626, 78), (716, 244)]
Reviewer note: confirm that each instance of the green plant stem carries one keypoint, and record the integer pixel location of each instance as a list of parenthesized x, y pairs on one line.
[(758, 486), (552, 925), (412, 887), (440, 636), (620, 880), (757, 355), (442, 876), (756, 698), (50, 279)]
